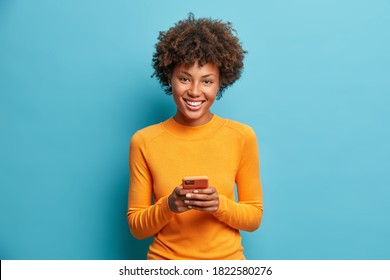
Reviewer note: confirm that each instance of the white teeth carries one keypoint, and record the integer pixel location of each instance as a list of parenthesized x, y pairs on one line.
[(195, 104)]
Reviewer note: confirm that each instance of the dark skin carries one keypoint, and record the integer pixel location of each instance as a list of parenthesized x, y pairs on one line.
[(205, 200)]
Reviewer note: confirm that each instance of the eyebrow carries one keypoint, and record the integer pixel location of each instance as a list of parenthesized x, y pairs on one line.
[(204, 76)]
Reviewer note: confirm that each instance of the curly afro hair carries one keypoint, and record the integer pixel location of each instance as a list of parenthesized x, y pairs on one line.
[(203, 39)]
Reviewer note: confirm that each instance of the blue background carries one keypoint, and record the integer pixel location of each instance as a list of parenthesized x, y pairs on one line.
[(75, 85)]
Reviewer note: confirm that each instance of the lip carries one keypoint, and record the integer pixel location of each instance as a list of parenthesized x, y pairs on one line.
[(193, 104)]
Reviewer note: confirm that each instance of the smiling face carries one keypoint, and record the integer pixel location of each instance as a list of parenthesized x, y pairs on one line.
[(194, 90)]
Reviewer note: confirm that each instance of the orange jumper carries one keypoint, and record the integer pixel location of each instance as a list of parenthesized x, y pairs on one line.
[(160, 155)]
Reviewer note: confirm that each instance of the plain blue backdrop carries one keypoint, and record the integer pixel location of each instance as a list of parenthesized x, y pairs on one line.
[(75, 85)]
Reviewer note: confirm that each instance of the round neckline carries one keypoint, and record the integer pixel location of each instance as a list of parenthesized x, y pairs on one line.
[(193, 132)]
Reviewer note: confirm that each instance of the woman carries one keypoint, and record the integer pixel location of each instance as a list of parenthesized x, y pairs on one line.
[(195, 61)]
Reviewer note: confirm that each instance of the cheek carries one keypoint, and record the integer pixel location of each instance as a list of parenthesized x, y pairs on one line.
[(178, 91), (177, 97), (212, 94)]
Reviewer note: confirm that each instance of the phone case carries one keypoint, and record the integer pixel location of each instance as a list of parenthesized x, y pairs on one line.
[(195, 182)]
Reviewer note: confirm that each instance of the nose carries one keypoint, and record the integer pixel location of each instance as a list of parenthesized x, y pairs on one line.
[(195, 90)]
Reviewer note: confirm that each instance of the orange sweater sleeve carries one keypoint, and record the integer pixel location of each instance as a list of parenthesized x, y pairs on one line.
[(144, 219), (246, 214)]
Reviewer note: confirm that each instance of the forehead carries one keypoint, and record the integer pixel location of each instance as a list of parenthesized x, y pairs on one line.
[(197, 69)]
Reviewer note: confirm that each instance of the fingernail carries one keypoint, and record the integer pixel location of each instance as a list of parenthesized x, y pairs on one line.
[(188, 195), (196, 191), (186, 201)]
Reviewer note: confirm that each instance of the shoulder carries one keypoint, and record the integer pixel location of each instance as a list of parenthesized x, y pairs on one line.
[(239, 128), (147, 134), (242, 134)]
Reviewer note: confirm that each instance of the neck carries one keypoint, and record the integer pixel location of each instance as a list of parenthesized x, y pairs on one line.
[(193, 122)]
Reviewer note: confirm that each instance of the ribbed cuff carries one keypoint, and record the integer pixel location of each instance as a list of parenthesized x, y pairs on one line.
[(165, 209), (223, 202)]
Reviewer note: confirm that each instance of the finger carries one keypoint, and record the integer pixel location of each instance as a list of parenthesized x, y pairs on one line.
[(195, 196), (176, 202), (212, 209), (180, 191), (202, 203), (178, 206), (209, 191), (183, 209)]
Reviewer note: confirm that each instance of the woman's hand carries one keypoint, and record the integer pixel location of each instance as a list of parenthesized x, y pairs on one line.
[(176, 200), (205, 200)]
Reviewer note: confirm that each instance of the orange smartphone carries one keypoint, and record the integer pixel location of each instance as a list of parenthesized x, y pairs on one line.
[(195, 182)]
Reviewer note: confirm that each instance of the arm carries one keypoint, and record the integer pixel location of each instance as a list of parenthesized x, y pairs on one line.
[(246, 214), (144, 219)]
